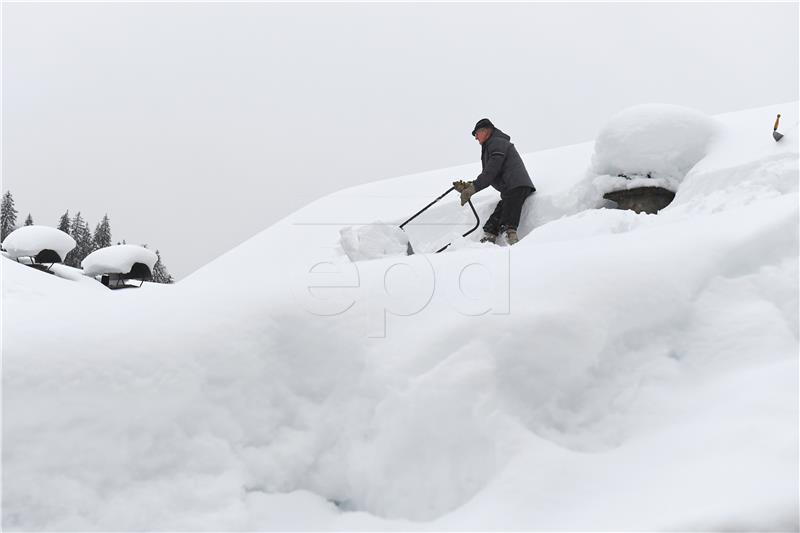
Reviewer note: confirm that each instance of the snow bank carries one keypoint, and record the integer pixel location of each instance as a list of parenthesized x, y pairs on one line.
[(28, 241), (117, 259), (373, 241), (662, 141)]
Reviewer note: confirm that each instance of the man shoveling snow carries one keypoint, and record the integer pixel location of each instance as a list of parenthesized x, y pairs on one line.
[(504, 170)]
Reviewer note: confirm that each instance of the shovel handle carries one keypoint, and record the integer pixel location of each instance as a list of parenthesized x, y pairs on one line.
[(418, 213), (778, 119)]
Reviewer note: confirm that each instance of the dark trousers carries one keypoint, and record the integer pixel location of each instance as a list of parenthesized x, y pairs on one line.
[(506, 214)]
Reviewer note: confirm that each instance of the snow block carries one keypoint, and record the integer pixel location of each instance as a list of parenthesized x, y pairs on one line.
[(373, 241)]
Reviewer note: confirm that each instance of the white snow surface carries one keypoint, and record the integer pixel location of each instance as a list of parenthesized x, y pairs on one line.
[(659, 140), (612, 371), (117, 259), (373, 241), (28, 241)]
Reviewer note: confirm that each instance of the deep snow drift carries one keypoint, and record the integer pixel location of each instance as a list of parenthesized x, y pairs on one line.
[(612, 371)]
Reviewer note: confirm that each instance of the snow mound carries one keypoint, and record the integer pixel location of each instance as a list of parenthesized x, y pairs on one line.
[(28, 241), (117, 259), (373, 241), (657, 141)]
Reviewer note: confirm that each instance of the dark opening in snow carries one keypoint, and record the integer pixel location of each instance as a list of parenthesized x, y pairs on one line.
[(642, 199), (139, 272), (47, 256)]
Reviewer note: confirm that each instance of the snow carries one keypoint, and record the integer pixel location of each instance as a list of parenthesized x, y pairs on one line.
[(611, 371), (28, 241), (373, 241), (651, 144), (118, 259), (76, 275)]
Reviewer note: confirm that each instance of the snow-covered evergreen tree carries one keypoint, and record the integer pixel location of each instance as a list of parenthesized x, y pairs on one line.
[(160, 272), (29, 220), (83, 241), (102, 234), (63, 223), (8, 216)]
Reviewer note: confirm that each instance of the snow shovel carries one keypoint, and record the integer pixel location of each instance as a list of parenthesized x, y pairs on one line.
[(775, 135), (410, 250)]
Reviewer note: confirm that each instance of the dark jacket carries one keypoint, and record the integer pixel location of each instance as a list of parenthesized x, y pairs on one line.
[(503, 168)]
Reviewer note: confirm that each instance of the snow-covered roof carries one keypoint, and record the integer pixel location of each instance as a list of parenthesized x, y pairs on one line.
[(511, 384), (28, 241), (664, 141), (117, 259)]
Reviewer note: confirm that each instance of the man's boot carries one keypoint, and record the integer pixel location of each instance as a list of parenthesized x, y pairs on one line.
[(511, 236), (489, 237)]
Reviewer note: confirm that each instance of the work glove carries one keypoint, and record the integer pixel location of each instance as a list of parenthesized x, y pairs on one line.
[(467, 192), (460, 185)]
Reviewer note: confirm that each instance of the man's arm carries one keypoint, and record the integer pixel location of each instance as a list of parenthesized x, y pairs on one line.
[(497, 156)]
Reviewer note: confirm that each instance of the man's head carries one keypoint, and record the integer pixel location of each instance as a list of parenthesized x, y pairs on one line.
[(483, 130)]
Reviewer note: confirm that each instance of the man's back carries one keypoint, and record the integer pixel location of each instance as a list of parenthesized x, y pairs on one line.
[(503, 167)]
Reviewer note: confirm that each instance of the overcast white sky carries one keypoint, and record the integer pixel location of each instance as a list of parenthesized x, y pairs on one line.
[(197, 125)]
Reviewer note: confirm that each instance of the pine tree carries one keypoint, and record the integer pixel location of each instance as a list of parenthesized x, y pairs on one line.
[(102, 234), (83, 241), (8, 216), (29, 220), (63, 224), (160, 272)]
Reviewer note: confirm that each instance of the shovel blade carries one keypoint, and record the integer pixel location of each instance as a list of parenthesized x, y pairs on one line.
[(777, 136)]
